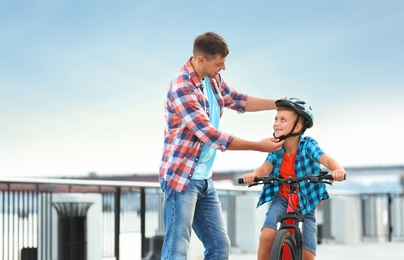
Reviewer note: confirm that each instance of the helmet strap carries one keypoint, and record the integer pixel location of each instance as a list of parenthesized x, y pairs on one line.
[(283, 137)]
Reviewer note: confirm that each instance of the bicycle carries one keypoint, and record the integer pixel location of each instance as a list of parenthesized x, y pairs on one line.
[(288, 241)]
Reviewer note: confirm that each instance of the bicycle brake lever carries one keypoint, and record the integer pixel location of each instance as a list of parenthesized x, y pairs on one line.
[(313, 179)]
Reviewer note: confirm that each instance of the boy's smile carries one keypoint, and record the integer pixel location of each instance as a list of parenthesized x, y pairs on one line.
[(284, 121)]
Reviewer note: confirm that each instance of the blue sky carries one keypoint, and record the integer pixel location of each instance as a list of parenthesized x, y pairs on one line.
[(82, 83)]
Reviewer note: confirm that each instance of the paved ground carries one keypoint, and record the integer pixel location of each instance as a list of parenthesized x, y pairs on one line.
[(361, 251)]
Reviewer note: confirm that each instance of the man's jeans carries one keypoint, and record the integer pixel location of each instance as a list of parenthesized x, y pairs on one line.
[(198, 207)]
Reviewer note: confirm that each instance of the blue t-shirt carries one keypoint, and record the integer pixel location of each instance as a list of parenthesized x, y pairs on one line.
[(203, 169)]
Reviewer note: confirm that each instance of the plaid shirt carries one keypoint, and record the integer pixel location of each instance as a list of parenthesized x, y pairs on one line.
[(306, 162), (188, 126)]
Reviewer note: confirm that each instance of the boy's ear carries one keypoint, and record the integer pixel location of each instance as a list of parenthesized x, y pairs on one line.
[(299, 127)]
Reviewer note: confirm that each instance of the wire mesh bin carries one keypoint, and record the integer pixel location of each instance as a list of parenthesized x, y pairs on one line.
[(72, 225)]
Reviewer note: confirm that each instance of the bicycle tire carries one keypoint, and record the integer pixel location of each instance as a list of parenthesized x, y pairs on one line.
[(284, 241)]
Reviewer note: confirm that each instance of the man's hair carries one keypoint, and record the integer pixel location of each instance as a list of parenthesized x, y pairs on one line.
[(209, 45)]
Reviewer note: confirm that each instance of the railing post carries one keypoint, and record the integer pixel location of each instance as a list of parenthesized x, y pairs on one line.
[(9, 215), (389, 211), (117, 221), (143, 221)]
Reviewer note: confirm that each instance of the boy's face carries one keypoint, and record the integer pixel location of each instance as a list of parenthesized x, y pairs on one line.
[(284, 121)]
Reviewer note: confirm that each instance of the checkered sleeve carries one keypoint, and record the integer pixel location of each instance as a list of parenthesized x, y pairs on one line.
[(232, 99), (187, 106), (269, 191), (310, 194)]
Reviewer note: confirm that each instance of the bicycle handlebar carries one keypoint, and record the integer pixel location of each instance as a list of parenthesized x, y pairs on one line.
[(310, 178)]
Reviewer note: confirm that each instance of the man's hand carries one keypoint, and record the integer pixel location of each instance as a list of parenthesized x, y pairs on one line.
[(270, 145), (265, 145)]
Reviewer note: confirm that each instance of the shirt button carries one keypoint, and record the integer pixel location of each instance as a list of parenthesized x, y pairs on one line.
[(196, 159)]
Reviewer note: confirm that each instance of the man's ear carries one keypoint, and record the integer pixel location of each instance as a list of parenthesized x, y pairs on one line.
[(200, 59)]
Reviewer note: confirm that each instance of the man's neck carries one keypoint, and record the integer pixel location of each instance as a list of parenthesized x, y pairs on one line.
[(196, 68)]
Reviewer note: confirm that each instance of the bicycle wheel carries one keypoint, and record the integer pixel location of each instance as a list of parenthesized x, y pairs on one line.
[(284, 246)]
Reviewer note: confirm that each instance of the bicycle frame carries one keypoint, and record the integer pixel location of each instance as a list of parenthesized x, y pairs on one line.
[(288, 241), (293, 221)]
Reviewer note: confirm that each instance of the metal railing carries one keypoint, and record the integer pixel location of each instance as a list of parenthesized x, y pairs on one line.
[(382, 216), (127, 207), (132, 207), (25, 213)]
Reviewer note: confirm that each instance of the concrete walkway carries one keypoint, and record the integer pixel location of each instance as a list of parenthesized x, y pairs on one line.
[(361, 251)]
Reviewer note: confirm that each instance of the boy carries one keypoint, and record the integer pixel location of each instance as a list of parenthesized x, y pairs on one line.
[(299, 156)]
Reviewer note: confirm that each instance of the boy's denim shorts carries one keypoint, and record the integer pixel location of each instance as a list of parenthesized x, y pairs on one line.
[(278, 207)]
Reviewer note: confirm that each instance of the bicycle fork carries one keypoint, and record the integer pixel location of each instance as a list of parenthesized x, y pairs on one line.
[(288, 222)]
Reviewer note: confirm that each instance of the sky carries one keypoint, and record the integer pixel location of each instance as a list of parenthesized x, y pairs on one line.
[(82, 83)]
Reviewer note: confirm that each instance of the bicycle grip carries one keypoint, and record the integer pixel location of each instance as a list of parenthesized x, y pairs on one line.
[(241, 180), (329, 177)]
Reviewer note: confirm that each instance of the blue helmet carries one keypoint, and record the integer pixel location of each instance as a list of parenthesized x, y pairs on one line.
[(300, 107)]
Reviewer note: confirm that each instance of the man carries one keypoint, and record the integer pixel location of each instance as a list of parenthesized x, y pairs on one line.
[(193, 107)]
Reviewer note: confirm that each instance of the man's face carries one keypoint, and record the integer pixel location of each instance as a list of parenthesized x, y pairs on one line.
[(213, 67)]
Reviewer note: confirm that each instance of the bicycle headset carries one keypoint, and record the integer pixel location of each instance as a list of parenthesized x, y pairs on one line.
[(302, 109)]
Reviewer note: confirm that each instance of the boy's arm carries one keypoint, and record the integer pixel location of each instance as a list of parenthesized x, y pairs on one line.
[(338, 172), (261, 171)]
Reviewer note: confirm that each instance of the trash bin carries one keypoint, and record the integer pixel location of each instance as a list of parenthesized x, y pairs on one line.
[(29, 253), (72, 230), (156, 244)]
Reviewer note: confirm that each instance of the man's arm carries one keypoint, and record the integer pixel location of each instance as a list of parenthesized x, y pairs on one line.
[(259, 104), (265, 145)]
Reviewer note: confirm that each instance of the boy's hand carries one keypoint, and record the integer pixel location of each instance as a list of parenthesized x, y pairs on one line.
[(338, 175), (248, 178)]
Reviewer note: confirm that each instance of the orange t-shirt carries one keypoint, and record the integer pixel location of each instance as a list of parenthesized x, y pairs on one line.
[(287, 170)]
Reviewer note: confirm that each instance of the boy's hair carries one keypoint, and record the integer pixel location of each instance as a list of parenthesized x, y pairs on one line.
[(300, 107), (209, 45)]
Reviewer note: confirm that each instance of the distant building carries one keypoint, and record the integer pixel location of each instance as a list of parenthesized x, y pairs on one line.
[(361, 178)]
